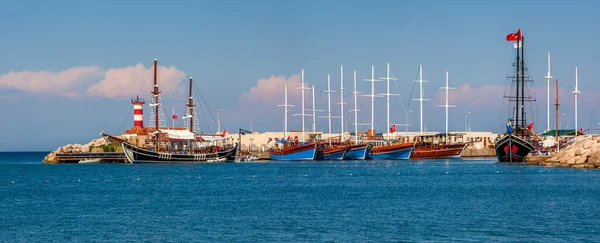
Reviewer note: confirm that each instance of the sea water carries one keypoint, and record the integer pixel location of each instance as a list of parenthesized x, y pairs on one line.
[(342, 201)]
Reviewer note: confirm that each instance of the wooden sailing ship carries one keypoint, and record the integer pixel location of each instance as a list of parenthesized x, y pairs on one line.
[(170, 145)]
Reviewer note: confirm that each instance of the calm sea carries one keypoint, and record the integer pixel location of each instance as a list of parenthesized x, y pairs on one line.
[(349, 201)]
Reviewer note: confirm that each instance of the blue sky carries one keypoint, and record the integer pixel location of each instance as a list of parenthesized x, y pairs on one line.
[(68, 68)]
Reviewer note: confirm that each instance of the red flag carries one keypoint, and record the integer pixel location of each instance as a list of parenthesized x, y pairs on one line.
[(288, 138), (393, 128), (530, 126), (174, 117), (514, 36), (580, 130), (224, 131), (269, 140)]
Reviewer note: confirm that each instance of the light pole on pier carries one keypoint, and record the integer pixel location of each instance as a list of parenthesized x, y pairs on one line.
[(407, 121), (466, 124), (219, 121), (250, 149)]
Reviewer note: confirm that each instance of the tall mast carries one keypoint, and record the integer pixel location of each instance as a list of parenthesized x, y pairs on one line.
[(576, 92), (302, 88), (372, 95), (314, 123), (446, 105), (387, 94), (518, 81), (522, 80), (548, 77), (328, 91), (314, 110), (420, 99), (191, 108), (156, 100), (355, 112), (155, 92), (285, 111), (342, 102)]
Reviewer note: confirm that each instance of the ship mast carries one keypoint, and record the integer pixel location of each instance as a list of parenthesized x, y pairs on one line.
[(328, 91), (517, 83), (302, 88), (156, 104), (387, 95), (342, 103), (446, 105), (522, 80), (372, 95), (355, 112), (190, 106), (548, 77), (285, 111), (420, 99), (314, 110)]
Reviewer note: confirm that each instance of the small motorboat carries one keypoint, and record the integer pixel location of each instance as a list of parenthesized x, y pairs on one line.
[(216, 160), (251, 158), (89, 161)]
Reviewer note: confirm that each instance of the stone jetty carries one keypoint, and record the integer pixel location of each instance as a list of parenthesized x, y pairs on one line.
[(584, 153), (95, 146)]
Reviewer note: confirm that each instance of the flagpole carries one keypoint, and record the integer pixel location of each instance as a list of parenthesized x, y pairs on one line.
[(173, 120)]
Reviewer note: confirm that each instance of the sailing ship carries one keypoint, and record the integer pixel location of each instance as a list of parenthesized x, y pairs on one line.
[(358, 151), (515, 144), (332, 150), (171, 145), (292, 149), (437, 146), (390, 150), (384, 148)]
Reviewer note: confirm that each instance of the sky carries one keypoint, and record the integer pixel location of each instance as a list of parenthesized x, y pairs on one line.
[(68, 69)]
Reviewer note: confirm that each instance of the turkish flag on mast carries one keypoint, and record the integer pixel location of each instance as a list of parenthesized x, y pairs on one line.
[(224, 131), (514, 36), (530, 127), (174, 117), (393, 128)]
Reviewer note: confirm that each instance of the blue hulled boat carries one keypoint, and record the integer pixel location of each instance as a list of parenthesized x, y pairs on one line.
[(307, 151), (333, 153), (392, 151), (358, 152)]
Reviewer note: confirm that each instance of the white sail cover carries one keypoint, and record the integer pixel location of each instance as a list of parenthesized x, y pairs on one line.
[(179, 134)]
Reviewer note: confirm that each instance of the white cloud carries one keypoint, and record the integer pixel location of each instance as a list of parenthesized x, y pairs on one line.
[(63, 82), (271, 90), (78, 82), (128, 81)]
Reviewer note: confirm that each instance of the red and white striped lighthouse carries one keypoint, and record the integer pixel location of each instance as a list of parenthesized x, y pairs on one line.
[(138, 111)]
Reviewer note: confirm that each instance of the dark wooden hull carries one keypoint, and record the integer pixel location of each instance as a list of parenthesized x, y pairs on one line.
[(440, 151), (139, 155), (511, 148)]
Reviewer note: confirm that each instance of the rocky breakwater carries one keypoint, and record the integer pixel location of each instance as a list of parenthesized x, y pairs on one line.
[(93, 146), (584, 153)]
